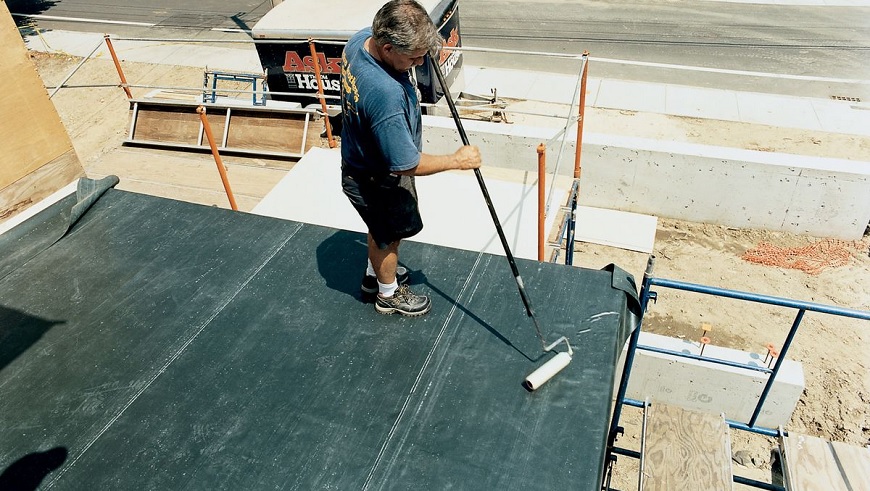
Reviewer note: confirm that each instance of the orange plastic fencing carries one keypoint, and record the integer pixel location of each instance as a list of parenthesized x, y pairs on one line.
[(812, 259)]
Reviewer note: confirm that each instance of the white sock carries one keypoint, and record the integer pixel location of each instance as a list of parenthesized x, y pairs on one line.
[(370, 270), (388, 289)]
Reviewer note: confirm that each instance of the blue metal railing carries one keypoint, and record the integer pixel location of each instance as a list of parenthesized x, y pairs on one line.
[(647, 294), (801, 306), (215, 76), (568, 227)]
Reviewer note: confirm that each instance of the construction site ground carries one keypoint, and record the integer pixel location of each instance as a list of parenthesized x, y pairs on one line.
[(835, 352)]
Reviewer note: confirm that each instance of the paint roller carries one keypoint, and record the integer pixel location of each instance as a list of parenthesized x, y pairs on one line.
[(553, 366)]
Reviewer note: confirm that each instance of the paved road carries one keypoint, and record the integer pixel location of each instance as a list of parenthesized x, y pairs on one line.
[(189, 16), (827, 44), (818, 41)]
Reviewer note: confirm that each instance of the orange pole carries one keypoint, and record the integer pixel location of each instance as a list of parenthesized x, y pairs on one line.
[(582, 112), (704, 342), (329, 137), (542, 174), (217, 157), (118, 67)]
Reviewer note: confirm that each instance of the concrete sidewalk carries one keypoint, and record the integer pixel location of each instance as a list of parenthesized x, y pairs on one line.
[(715, 104)]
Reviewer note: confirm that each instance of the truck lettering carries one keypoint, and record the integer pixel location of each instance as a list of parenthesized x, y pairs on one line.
[(451, 42), (451, 63), (308, 81), (293, 63)]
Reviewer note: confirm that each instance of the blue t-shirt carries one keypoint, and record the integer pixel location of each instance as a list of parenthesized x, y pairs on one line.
[(382, 128)]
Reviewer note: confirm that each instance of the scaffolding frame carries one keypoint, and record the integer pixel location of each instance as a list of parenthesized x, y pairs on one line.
[(647, 293)]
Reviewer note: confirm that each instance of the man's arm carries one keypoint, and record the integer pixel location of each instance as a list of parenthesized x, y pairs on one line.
[(466, 158)]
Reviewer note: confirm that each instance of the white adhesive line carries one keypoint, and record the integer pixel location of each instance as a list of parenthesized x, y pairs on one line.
[(426, 363)]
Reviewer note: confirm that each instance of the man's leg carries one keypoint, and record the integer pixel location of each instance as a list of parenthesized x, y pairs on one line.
[(384, 261), (391, 296)]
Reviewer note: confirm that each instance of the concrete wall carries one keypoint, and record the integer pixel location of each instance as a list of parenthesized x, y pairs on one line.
[(733, 187)]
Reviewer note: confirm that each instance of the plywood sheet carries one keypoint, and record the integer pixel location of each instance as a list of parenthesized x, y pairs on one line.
[(39, 184), (854, 462), (686, 450), (31, 132), (810, 465), (242, 129)]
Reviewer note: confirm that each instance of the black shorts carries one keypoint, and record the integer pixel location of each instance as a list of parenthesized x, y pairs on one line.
[(387, 204)]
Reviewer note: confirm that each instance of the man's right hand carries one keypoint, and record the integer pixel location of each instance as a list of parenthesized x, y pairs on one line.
[(467, 157)]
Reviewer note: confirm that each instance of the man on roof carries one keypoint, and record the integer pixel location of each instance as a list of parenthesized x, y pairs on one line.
[(382, 143)]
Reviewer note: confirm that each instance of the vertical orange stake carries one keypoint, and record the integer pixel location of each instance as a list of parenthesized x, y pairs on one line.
[(217, 156), (772, 353), (581, 115), (704, 342), (329, 137), (542, 172), (118, 67)]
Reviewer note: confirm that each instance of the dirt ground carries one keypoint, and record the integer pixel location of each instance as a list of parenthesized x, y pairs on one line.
[(834, 351)]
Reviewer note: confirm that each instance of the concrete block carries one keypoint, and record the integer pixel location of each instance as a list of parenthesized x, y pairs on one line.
[(711, 387), (733, 187)]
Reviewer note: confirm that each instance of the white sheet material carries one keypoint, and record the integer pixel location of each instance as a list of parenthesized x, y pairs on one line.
[(621, 229), (452, 205)]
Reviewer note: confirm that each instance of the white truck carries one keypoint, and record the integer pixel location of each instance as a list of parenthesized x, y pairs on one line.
[(282, 41)]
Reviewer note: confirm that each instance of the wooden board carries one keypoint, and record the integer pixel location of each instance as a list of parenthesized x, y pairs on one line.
[(686, 450), (37, 155), (854, 463), (169, 124), (31, 133), (266, 131), (811, 463), (40, 183)]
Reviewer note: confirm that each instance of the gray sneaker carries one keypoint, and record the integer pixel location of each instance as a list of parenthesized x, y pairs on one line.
[(405, 302)]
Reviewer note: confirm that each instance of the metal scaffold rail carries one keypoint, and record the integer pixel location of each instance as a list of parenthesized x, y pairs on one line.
[(777, 358)]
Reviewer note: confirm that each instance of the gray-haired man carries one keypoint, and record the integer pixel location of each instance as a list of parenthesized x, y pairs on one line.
[(381, 143)]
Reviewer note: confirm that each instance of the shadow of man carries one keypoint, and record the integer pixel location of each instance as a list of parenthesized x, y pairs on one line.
[(341, 261), (28, 472), (18, 332)]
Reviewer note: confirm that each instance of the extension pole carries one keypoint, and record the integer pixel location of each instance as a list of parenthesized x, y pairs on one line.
[(329, 137), (542, 175), (118, 67), (507, 250), (217, 157), (581, 114)]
